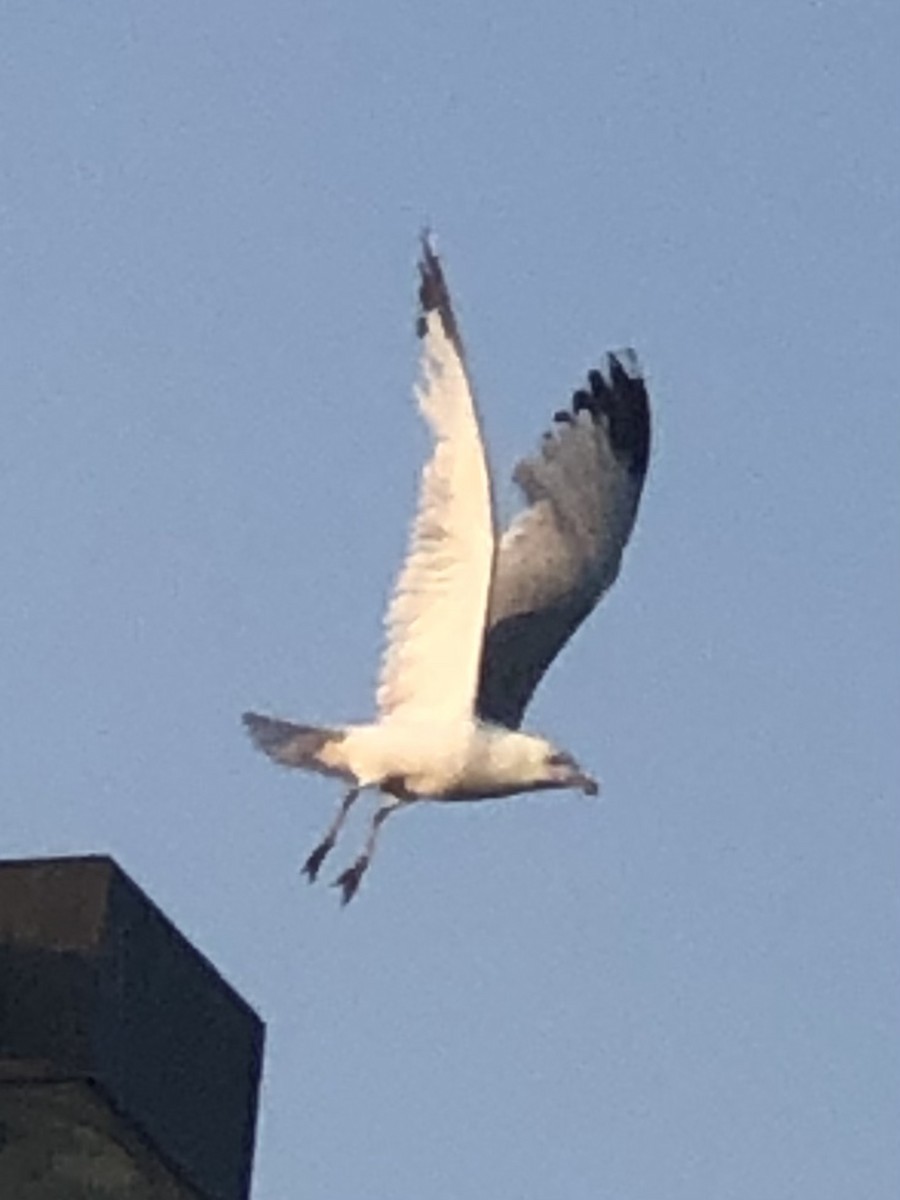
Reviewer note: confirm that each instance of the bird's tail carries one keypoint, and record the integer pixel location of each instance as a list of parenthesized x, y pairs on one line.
[(306, 746)]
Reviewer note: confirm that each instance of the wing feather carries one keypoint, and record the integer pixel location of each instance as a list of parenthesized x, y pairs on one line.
[(436, 617), (561, 553)]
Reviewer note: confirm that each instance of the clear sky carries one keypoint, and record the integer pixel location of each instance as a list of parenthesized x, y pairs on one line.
[(208, 222)]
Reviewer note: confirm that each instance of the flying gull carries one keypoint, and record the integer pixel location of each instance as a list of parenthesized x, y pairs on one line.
[(477, 617)]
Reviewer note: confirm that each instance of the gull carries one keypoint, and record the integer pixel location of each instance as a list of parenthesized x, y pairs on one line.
[(477, 616)]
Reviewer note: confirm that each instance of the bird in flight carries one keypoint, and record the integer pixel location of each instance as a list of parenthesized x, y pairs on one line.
[(477, 616)]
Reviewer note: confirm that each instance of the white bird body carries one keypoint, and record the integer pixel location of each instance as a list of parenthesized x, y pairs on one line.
[(440, 760), (412, 757), (476, 619)]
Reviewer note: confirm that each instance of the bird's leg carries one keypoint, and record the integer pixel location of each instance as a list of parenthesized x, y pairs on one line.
[(349, 880), (315, 860)]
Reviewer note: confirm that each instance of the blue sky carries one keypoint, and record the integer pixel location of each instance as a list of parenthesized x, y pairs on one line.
[(208, 221)]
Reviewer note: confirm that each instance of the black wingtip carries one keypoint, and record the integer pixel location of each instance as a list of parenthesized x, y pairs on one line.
[(621, 397), (434, 295)]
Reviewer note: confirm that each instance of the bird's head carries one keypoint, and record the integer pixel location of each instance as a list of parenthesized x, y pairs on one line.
[(563, 771), (547, 766)]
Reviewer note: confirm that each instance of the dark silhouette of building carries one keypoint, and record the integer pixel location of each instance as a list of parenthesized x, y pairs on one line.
[(129, 1069)]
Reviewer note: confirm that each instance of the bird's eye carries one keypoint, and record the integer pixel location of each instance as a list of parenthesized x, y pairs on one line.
[(559, 759)]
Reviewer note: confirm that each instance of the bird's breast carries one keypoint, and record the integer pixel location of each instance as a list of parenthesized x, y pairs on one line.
[(409, 760)]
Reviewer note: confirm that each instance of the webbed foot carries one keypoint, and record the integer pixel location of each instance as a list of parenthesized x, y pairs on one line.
[(348, 881), (315, 860)]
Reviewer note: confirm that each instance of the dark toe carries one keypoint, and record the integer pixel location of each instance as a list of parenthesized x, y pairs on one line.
[(349, 880), (315, 860)]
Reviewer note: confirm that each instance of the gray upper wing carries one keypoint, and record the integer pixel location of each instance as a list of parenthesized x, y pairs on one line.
[(561, 553)]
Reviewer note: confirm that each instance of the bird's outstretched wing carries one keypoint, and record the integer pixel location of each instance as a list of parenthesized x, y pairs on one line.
[(435, 620), (561, 553)]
